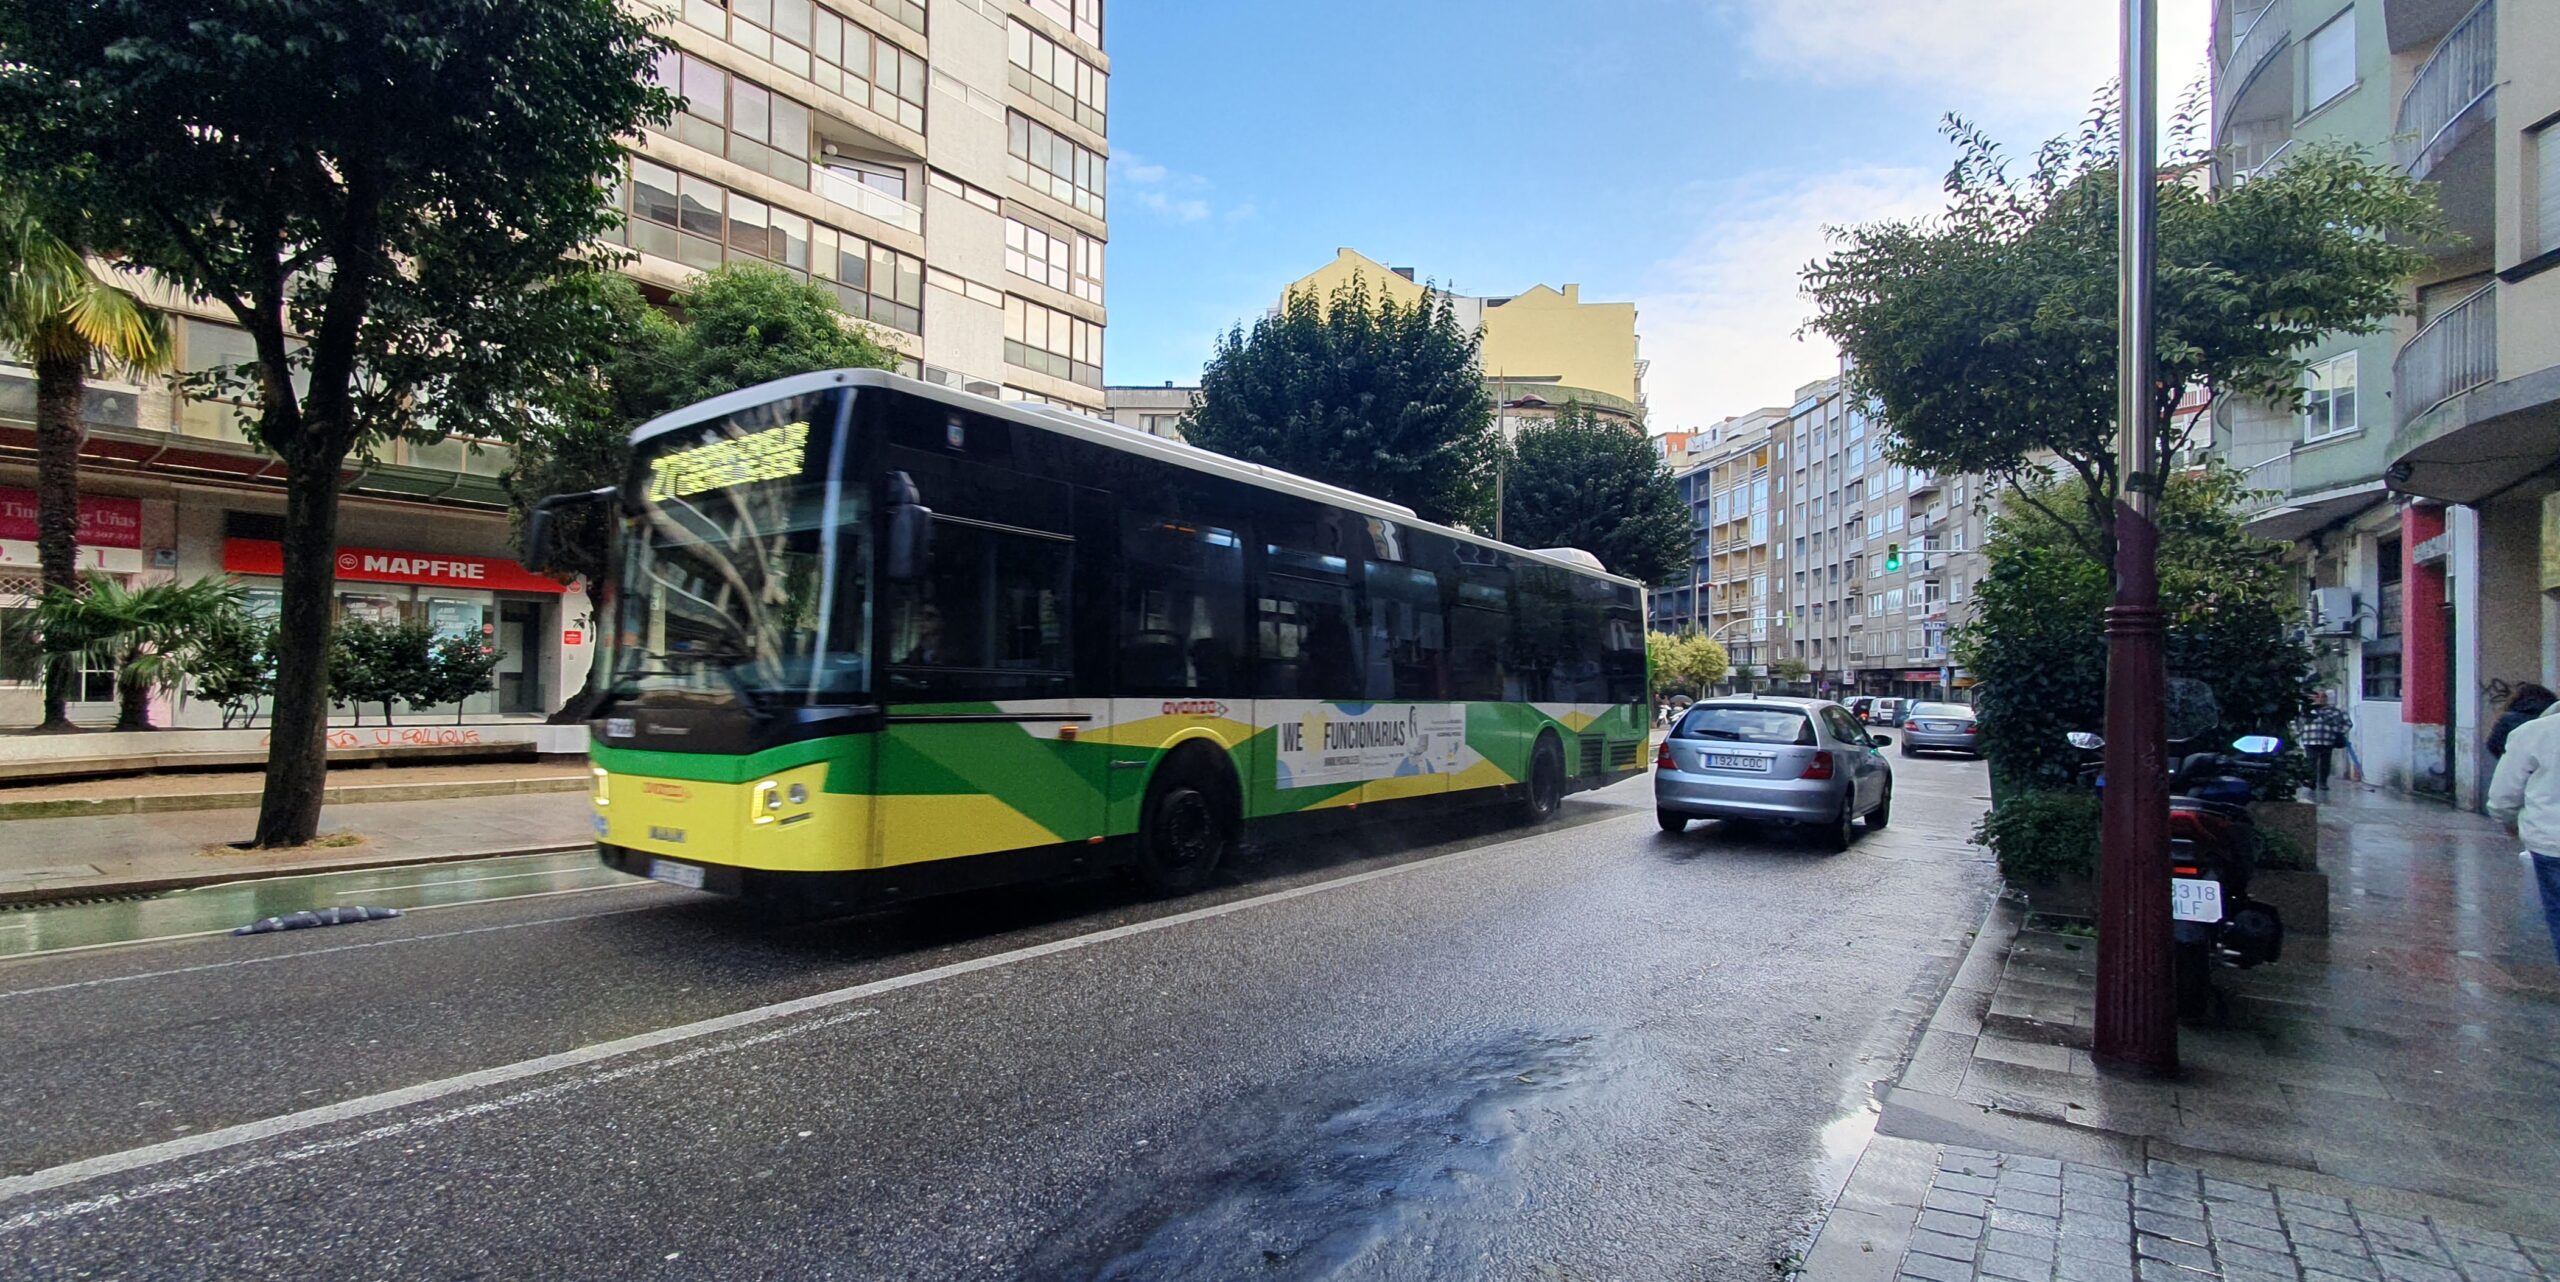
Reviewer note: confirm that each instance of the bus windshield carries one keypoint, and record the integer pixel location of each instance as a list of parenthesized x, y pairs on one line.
[(745, 573)]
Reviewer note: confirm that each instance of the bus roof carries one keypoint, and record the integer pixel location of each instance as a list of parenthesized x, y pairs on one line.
[(1100, 432)]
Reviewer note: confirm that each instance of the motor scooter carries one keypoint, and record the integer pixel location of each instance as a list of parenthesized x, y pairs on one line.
[(2213, 854)]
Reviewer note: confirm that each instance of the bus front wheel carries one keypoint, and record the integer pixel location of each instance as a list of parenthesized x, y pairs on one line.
[(1189, 825), (1543, 792)]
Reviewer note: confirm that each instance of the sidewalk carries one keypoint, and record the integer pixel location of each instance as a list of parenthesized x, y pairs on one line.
[(51, 859), (2384, 1103), (236, 789)]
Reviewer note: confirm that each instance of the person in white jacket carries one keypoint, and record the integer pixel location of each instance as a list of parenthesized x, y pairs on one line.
[(2525, 796)]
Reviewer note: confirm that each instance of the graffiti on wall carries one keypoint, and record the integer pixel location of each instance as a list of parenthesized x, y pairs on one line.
[(396, 737)]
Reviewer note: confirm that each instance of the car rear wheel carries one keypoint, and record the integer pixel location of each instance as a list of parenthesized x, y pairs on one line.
[(1906, 749), (1671, 823), (1844, 826), (1883, 813)]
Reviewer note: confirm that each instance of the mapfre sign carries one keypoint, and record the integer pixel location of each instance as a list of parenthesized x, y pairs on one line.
[(379, 565)]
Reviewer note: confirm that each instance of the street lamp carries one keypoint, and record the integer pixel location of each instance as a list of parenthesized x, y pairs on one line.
[(2137, 1016)]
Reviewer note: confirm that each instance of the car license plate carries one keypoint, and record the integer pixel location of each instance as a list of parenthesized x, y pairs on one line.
[(2195, 899), (1728, 761), (669, 871)]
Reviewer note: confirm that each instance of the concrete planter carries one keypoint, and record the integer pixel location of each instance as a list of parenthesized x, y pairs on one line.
[(2298, 821), (2300, 898), (2063, 896)]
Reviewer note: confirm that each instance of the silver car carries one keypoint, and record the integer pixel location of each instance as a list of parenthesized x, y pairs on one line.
[(1941, 727), (1803, 761)]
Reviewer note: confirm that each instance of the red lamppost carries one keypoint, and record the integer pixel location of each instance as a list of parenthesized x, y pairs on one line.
[(2137, 1012)]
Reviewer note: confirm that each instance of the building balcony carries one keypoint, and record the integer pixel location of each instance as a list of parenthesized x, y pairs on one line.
[(2261, 35), (2450, 355), (2442, 133), (840, 188), (1924, 484)]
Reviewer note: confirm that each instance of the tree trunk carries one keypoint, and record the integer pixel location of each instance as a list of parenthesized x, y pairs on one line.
[(133, 695), (60, 388), (298, 724)]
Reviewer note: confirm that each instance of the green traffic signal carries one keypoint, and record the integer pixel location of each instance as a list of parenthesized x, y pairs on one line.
[(1892, 557)]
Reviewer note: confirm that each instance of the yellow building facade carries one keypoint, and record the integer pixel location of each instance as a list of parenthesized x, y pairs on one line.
[(1544, 346)]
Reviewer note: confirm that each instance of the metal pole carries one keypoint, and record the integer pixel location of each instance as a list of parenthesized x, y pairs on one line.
[(2137, 1012)]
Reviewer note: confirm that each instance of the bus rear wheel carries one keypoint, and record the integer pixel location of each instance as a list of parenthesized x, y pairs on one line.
[(1189, 825), (1543, 791)]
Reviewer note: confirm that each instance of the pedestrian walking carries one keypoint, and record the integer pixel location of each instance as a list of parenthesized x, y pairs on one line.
[(2530, 701), (2322, 731), (2524, 795)]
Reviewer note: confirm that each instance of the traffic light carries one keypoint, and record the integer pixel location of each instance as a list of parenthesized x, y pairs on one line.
[(1892, 557)]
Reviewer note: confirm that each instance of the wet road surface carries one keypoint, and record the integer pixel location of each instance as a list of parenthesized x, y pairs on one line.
[(1583, 1050)]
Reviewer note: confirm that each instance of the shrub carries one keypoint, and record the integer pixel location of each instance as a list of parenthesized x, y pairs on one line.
[(2043, 836)]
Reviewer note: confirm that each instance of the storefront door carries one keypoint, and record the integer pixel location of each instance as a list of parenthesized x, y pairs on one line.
[(519, 667)]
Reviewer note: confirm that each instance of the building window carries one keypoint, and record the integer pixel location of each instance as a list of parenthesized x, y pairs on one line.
[(1052, 342), (1050, 163), (822, 46), (2382, 670), (1054, 77), (1083, 17), (2329, 397), (2546, 188), (701, 224), (2329, 61), (735, 117)]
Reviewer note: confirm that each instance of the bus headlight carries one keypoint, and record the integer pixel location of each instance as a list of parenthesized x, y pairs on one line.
[(799, 794), (603, 794), (766, 799)]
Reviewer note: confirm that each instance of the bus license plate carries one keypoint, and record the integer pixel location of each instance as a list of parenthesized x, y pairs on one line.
[(2195, 899), (1722, 761), (669, 871)]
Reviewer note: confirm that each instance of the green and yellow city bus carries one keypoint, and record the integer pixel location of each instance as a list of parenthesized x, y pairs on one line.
[(870, 639)]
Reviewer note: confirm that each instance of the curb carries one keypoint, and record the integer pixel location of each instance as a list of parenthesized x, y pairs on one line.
[(229, 876), (335, 794)]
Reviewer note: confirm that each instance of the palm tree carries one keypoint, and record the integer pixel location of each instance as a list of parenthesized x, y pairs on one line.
[(67, 321), (147, 633)]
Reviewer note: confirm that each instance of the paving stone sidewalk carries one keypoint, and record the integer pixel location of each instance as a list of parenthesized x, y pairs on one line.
[(2007, 1218)]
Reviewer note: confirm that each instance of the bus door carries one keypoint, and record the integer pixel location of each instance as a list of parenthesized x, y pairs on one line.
[(985, 746)]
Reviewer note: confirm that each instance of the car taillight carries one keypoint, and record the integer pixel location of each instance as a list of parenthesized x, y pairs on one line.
[(1662, 759), (1818, 768), (2187, 872)]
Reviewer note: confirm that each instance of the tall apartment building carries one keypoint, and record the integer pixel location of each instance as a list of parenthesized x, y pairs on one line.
[(1799, 517), (2417, 484), (1542, 347), (938, 164)]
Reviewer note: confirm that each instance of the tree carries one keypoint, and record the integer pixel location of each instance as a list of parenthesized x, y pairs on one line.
[(380, 661), (1581, 481), (67, 321), (2038, 644), (741, 325), (231, 663), (397, 199), (1688, 661), (455, 668), (145, 633), (1986, 335), (1790, 671), (1366, 393)]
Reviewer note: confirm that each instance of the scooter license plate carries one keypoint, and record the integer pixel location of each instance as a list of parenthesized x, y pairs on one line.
[(2195, 899)]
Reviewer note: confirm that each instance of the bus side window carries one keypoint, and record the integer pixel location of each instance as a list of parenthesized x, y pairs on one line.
[(1306, 646), (1408, 643), (1182, 609)]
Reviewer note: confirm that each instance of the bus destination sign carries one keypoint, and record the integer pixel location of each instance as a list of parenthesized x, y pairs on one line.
[(769, 455)]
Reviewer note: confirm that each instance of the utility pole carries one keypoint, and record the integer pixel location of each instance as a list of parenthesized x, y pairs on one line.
[(2137, 1014)]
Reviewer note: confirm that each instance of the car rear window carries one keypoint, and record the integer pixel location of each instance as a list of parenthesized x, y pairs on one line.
[(1747, 725), (1956, 710)]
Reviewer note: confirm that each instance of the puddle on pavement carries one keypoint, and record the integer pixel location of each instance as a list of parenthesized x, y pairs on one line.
[(1402, 1170), (1844, 1141), (205, 909)]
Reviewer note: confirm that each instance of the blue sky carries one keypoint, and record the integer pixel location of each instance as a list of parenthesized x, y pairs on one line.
[(1684, 154)]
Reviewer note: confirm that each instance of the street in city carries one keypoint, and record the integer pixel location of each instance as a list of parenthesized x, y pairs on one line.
[(1581, 1050)]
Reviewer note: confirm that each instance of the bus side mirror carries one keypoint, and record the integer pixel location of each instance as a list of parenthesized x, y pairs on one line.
[(537, 552), (910, 531)]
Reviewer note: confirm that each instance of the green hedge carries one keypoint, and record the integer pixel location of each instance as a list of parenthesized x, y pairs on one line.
[(2043, 836)]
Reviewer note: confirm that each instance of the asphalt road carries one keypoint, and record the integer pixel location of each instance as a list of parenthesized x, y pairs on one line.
[(1580, 1051)]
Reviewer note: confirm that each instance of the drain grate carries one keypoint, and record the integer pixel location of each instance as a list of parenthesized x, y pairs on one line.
[(81, 901)]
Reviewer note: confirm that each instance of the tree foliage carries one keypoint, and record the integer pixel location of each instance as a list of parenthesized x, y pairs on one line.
[(1686, 662), (457, 666), (231, 664), (1581, 481), (2038, 644), (1367, 393), (145, 633), (397, 199), (1987, 334)]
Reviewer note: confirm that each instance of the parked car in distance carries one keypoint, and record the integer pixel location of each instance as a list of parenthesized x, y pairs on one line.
[(1801, 761), (1885, 711), (1941, 727), (1857, 705)]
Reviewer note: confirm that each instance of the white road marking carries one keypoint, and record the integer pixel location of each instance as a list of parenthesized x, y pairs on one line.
[(214, 1141), (317, 952), (455, 881)]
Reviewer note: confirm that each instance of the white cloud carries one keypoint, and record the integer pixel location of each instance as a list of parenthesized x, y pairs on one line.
[(1169, 194), (1984, 55), (1718, 319)]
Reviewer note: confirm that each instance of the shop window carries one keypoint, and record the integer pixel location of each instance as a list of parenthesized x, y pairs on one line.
[(2381, 661)]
